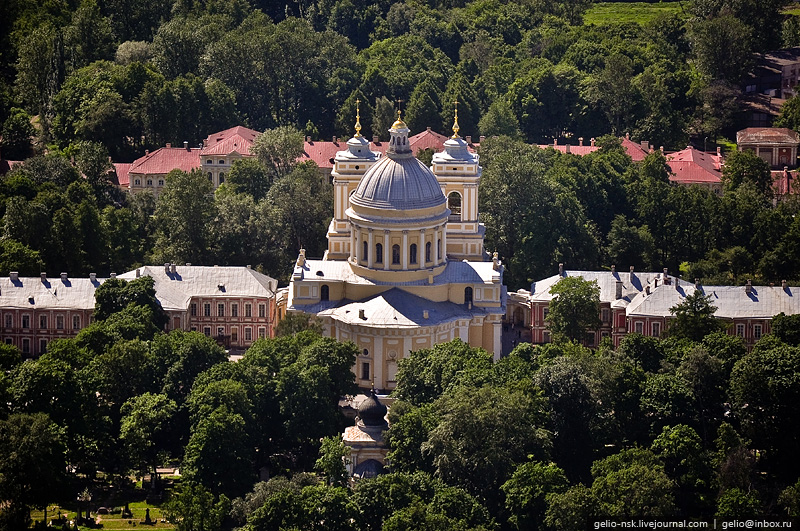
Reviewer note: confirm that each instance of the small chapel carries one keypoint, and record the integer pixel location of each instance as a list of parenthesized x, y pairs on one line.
[(405, 267)]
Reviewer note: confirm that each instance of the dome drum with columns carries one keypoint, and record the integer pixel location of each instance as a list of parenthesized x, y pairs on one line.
[(405, 267)]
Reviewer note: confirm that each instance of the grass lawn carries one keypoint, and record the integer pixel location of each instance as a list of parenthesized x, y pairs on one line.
[(638, 12), (112, 521)]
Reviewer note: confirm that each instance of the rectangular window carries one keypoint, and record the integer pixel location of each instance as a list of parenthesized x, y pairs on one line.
[(248, 310), (365, 370), (545, 337), (248, 334), (60, 322), (8, 341), (220, 310), (207, 330), (262, 310), (656, 329), (26, 321), (604, 334), (76, 322), (262, 332), (740, 330), (590, 339), (193, 309), (207, 310), (756, 332), (42, 321), (193, 329), (9, 320), (234, 335), (42, 346), (220, 331), (26, 346), (545, 311), (605, 315), (234, 310), (638, 327)]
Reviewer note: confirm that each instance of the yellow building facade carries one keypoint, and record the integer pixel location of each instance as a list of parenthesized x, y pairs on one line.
[(405, 267)]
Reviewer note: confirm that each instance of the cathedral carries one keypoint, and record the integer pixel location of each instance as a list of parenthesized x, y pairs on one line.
[(405, 267)]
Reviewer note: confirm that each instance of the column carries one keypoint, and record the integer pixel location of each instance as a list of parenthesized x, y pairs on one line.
[(353, 242), (358, 245), (421, 250), (387, 249), (405, 250), (371, 251)]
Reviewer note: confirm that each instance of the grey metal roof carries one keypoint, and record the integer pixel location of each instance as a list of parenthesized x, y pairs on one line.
[(173, 290), (462, 272), (456, 150), (632, 284), (52, 293), (402, 183), (732, 302), (396, 308)]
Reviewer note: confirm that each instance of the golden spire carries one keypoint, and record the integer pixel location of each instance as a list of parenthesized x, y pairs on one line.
[(455, 121), (358, 119)]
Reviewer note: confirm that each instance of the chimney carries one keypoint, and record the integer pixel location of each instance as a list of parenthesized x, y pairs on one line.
[(425, 314), (166, 268), (186, 145), (555, 142), (63, 277), (376, 139), (333, 139), (93, 277), (655, 282), (428, 129), (561, 269), (613, 268), (146, 152), (14, 275), (468, 139), (631, 270), (481, 139), (647, 289), (619, 289), (173, 268), (748, 287), (665, 276), (113, 275), (43, 276), (783, 285), (188, 264), (361, 314), (169, 145), (591, 142), (301, 258), (580, 141), (248, 266), (697, 283), (566, 147), (662, 149), (138, 273), (308, 139), (645, 145)]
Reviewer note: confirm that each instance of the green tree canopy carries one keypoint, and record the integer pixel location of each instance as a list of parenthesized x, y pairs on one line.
[(694, 317), (574, 308)]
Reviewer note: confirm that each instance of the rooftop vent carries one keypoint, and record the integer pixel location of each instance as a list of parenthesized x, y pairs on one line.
[(425, 314), (63, 277), (113, 275), (43, 276), (362, 315), (93, 277), (14, 275)]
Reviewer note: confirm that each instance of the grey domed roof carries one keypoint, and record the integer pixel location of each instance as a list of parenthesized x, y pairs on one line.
[(398, 183), (371, 411)]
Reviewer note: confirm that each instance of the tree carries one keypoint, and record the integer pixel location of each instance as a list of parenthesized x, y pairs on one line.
[(746, 167), (15, 256), (145, 430), (737, 504), (32, 466), (17, 135), (424, 107), (787, 328), (249, 176), (278, 150), (500, 120), (574, 308), (193, 508), (183, 216), (527, 492), (293, 323), (721, 47), (383, 117), (333, 458), (694, 317), (613, 91), (114, 295)]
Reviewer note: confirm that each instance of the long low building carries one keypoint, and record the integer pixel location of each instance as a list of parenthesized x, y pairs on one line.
[(235, 305), (633, 302)]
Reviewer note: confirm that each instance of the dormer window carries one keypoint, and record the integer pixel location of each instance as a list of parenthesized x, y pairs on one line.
[(209, 161)]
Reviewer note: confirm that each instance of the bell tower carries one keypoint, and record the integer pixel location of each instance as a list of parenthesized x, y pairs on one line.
[(459, 175)]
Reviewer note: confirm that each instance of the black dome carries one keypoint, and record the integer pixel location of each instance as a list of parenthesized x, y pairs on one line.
[(371, 411)]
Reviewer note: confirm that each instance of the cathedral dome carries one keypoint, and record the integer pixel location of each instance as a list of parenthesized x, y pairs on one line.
[(371, 411), (399, 181), (398, 184)]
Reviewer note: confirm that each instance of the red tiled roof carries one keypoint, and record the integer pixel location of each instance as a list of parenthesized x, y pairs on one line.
[(635, 150), (238, 139), (574, 150), (121, 170), (767, 135), (783, 182), (166, 159), (694, 166)]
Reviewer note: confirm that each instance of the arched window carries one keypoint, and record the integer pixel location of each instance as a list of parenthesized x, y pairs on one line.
[(395, 254), (454, 204), (221, 177), (439, 249), (379, 253), (365, 248), (427, 251), (412, 251), (324, 293), (467, 295)]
